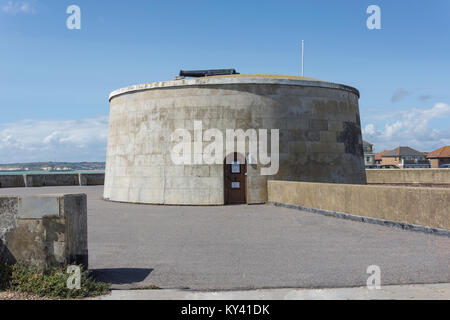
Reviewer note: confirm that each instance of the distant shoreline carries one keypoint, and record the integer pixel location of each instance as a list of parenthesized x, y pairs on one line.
[(16, 173)]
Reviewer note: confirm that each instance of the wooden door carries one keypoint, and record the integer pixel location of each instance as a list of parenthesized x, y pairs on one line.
[(235, 182)]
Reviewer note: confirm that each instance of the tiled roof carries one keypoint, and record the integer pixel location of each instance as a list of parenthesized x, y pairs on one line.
[(402, 152), (443, 152), (379, 155)]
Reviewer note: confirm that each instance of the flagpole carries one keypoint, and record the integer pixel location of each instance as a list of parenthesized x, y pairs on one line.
[(303, 58)]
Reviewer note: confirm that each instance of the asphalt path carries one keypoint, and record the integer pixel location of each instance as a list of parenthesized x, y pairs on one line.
[(248, 247)]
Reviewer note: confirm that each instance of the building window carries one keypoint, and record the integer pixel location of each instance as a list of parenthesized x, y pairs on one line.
[(236, 167)]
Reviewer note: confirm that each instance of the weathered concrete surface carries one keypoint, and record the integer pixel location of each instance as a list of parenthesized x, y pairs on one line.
[(417, 206), (8, 221), (44, 230), (51, 179), (37, 207), (409, 176), (91, 179), (405, 292), (319, 123), (248, 247), (12, 181)]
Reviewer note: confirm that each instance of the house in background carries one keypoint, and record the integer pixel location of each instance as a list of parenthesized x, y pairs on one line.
[(405, 157), (439, 157), (369, 156), (378, 157)]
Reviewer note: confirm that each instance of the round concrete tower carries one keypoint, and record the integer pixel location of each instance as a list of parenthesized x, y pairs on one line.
[(318, 125)]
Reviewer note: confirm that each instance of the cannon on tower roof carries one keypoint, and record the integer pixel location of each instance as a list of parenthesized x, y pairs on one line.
[(207, 73)]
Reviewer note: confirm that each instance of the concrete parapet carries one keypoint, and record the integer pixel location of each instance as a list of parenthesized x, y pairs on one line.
[(12, 181), (409, 176), (91, 179), (427, 207), (44, 230), (51, 180)]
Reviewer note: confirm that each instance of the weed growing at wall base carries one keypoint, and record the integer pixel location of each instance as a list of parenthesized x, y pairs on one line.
[(51, 283)]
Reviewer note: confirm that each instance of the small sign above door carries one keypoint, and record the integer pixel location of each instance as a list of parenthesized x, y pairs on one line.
[(236, 167)]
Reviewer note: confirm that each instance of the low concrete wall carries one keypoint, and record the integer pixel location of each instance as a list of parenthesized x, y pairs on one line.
[(409, 176), (45, 230), (51, 180), (417, 206), (92, 179), (12, 181)]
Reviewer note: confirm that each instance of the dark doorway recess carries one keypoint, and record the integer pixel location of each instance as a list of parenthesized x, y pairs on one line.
[(235, 169)]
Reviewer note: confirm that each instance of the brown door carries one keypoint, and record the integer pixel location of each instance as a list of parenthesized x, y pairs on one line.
[(235, 188)]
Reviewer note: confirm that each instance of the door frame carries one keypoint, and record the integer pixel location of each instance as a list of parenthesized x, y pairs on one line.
[(236, 157)]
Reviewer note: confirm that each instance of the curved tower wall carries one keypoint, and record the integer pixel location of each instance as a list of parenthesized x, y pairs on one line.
[(319, 123)]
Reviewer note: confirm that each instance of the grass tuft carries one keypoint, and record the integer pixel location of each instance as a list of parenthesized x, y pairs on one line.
[(51, 283)]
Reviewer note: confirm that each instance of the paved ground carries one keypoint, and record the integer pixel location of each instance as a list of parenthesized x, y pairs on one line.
[(248, 247), (403, 292)]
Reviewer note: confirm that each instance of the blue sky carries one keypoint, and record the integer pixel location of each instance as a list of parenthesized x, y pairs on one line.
[(55, 82)]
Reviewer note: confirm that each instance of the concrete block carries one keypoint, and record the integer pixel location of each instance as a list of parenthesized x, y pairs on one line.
[(317, 124), (44, 231), (38, 207), (197, 171)]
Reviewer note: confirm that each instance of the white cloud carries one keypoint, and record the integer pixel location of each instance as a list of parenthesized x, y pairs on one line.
[(14, 7), (369, 129), (411, 128), (66, 140)]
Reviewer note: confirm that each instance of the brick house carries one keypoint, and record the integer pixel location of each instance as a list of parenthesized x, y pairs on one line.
[(379, 157), (406, 157), (439, 157)]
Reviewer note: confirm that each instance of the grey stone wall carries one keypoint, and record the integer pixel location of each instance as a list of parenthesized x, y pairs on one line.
[(428, 207), (320, 136), (51, 180), (409, 176), (12, 181), (92, 179), (44, 230)]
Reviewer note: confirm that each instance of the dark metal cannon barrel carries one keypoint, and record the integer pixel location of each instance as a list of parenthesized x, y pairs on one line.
[(207, 73)]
